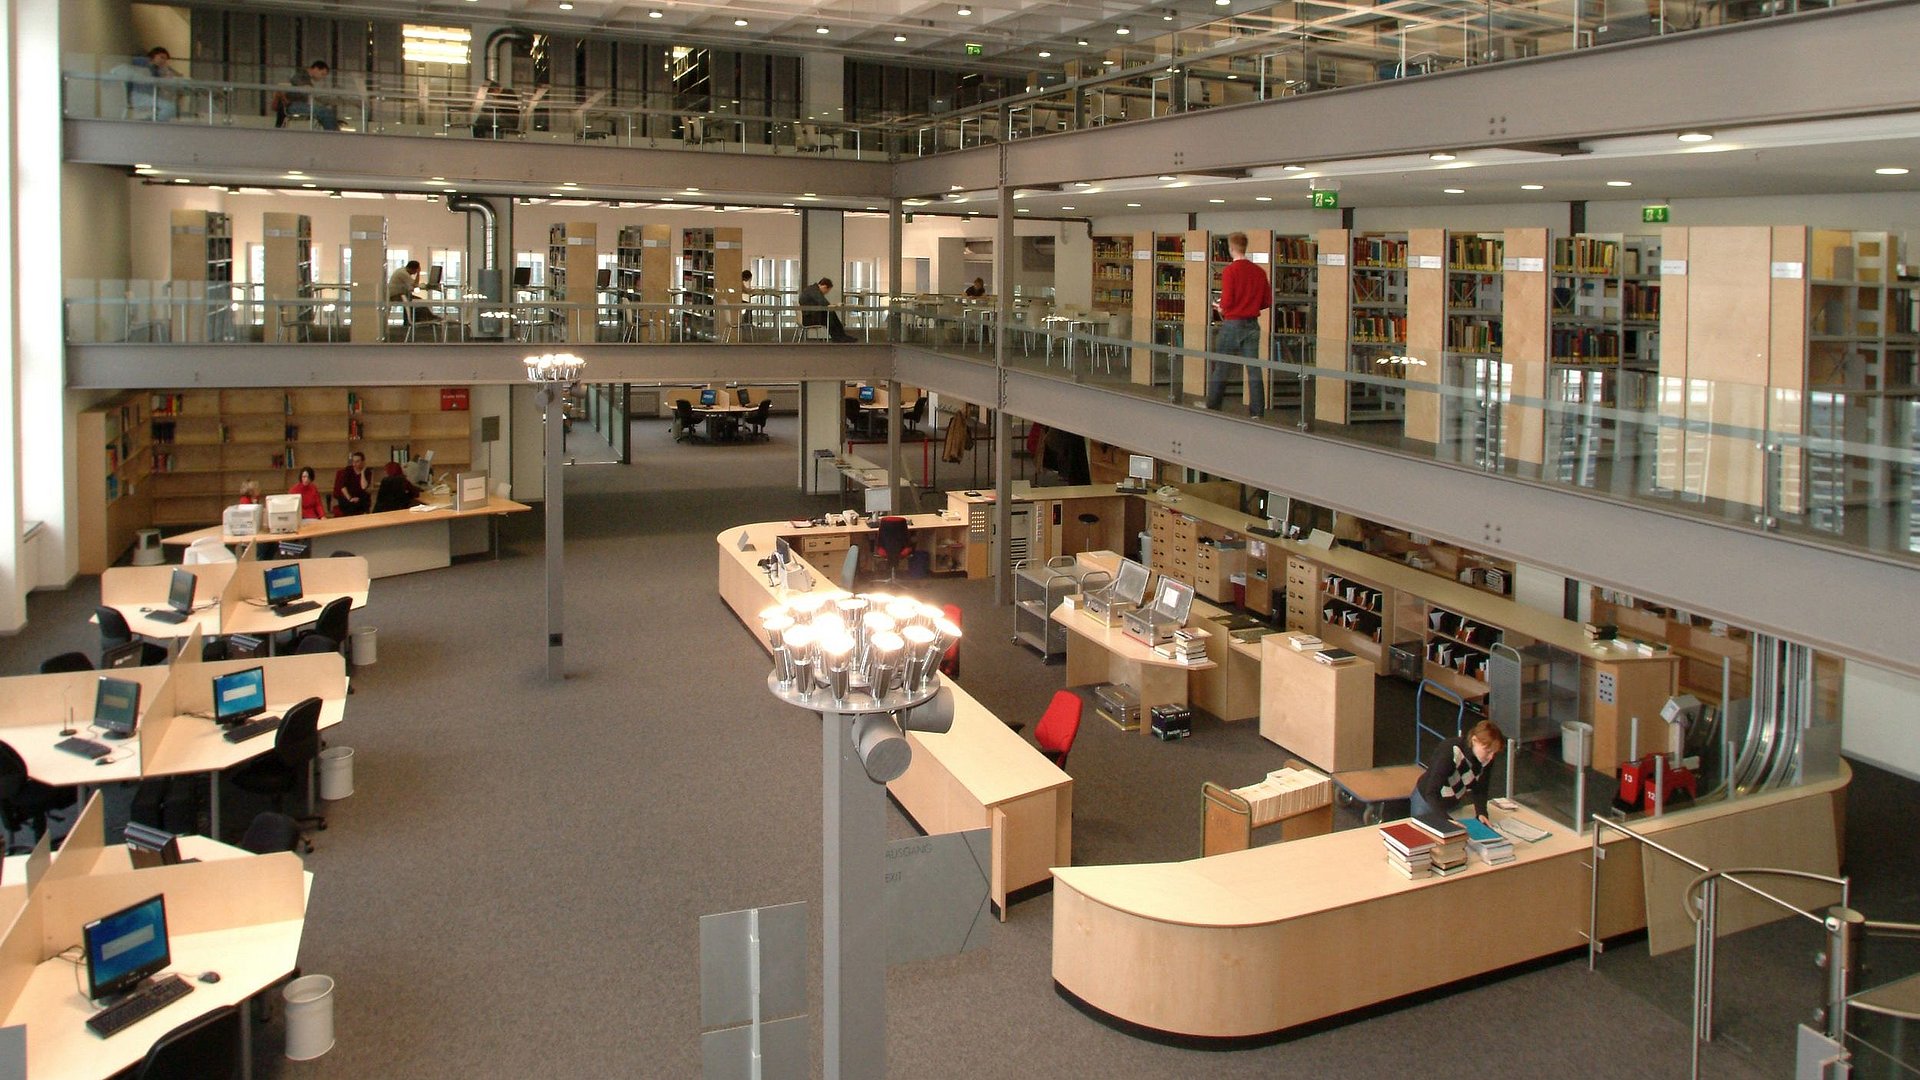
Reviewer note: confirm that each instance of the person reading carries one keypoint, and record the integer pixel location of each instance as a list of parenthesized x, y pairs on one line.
[(817, 310), (1461, 767)]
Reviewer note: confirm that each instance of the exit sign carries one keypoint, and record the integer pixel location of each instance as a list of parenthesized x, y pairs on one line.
[(1654, 215), (975, 48), (1326, 200)]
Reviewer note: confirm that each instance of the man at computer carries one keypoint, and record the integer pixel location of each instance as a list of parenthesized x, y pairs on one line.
[(401, 286), (817, 310)]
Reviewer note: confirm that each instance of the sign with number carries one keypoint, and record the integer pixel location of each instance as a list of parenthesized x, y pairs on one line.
[(1654, 215), (1326, 200)]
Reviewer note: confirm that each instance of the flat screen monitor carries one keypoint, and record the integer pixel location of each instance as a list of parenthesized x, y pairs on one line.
[(148, 846), (239, 694), (180, 590), (435, 275), (782, 551), (283, 584), (709, 396), (1130, 586), (124, 656), (1140, 467), (603, 278), (1279, 508), (866, 395), (126, 947), (116, 707), (522, 276), (245, 646)]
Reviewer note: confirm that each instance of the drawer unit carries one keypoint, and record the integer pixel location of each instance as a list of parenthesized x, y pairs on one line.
[(824, 545), (1301, 583)]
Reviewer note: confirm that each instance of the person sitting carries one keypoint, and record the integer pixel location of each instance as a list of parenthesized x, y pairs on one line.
[(978, 289), (400, 289), (300, 105), (249, 492), (350, 494), (817, 310), (313, 505), (146, 101), (395, 492), (496, 112)]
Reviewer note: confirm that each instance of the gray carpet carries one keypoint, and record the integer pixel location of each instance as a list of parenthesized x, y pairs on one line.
[(514, 888)]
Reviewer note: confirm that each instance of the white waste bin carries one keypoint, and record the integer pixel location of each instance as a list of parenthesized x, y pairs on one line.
[(1576, 744), (336, 772), (366, 646), (1146, 548), (146, 548), (309, 1001)]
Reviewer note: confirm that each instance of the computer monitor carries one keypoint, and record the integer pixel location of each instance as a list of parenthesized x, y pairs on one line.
[(148, 846), (603, 278), (782, 551), (1140, 467), (124, 656), (126, 947), (1130, 585), (283, 584), (238, 695), (709, 396), (245, 646), (180, 590), (434, 276), (866, 395), (1278, 509), (116, 707), (522, 277)]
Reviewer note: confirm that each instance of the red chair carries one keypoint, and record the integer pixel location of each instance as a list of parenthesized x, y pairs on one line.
[(950, 663), (1059, 726)]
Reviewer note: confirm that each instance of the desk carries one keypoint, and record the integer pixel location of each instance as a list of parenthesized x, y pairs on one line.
[(823, 546), (716, 413), (131, 590), (393, 542), (1098, 653), (979, 775)]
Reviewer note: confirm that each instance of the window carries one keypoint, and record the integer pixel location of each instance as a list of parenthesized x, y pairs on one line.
[(452, 264), (346, 263), (535, 262)]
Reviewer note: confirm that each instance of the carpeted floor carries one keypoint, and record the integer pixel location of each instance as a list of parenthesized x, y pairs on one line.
[(514, 888)]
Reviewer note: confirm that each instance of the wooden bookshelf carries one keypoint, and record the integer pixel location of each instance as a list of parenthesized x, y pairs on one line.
[(114, 496), (288, 242), (201, 270), (367, 239), (709, 279), (1363, 294), (1603, 346), (1708, 653), (573, 260), (643, 256), (1295, 301), (1113, 274)]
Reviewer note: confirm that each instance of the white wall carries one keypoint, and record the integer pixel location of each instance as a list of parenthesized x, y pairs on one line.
[(1878, 714)]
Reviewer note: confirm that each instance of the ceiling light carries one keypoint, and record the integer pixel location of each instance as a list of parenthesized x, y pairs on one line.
[(565, 6), (821, 30), (1133, 206), (437, 179), (739, 22), (807, 195), (1068, 208), (1292, 168), (1532, 187), (295, 172), (1440, 155), (873, 208), (1106, 63), (693, 189), (1082, 42), (1123, 31), (141, 165), (302, 185), (1891, 170), (786, 204), (1216, 200), (973, 213), (1023, 210), (448, 190), (1044, 54), (1082, 183), (147, 171), (435, 44), (899, 37), (1263, 198), (1695, 136), (965, 11), (1231, 77), (1454, 190), (1166, 176), (656, 13), (1619, 183), (1221, 3), (1167, 17), (335, 195), (571, 184), (184, 180)]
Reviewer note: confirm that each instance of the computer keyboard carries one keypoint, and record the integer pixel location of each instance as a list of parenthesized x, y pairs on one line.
[(85, 748), (251, 728), (298, 607), (164, 992), (168, 615)]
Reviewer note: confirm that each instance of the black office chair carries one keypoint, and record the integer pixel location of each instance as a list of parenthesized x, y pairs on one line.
[(316, 643), (271, 833), (168, 803), (206, 1047), (331, 624), (914, 417), (685, 424), (280, 771), (340, 555), (757, 419), (892, 542), (66, 661), (24, 800), (113, 627), (856, 420)]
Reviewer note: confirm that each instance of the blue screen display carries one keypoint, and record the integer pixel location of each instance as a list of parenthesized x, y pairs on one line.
[(866, 395), (283, 584), (708, 397), (239, 694), (126, 946)]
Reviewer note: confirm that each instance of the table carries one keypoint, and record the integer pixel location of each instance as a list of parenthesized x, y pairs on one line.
[(979, 775), (715, 413), (393, 542), (1098, 653), (1322, 712), (135, 590)]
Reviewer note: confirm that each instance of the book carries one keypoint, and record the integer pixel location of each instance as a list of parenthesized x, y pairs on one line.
[(1520, 830), (1334, 656), (1440, 826), (1406, 839)]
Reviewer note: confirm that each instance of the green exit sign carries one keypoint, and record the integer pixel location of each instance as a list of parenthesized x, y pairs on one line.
[(975, 48), (1326, 200), (1654, 215)]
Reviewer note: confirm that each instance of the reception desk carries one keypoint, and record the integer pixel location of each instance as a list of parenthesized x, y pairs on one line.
[(394, 542), (979, 775)]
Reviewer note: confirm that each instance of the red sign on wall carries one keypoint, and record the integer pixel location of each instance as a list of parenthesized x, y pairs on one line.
[(453, 399)]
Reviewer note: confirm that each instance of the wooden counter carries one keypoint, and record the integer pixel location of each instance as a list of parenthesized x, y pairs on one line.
[(1098, 653), (1321, 712), (393, 542), (979, 775)]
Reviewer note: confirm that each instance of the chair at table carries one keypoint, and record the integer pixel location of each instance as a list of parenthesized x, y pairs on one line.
[(757, 419), (892, 542), (114, 631), (912, 418), (1058, 727), (66, 661), (686, 424), (24, 800), (280, 771), (331, 624), (206, 1047), (271, 833)]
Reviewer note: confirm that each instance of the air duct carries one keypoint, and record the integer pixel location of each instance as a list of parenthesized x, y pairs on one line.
[(506, 35)]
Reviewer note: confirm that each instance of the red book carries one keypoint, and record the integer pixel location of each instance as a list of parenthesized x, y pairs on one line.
[(1406, 838)]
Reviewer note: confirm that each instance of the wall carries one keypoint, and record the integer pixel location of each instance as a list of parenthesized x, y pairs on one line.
[(166, 26), (1877, 710), (1898, 211)]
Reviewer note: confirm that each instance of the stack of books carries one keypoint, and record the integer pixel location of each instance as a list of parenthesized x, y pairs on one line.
[(1304, 642), (1335, 656), (1187, 646), (1486, 843), (1284, 793), (1409, 850), (1449, 842)]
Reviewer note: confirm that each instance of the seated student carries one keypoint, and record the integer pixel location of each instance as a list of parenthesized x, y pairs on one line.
[(395, 492), (350, 486), (817, 310), (313, 504), (249, 492), (978, 289), (1461, 766)]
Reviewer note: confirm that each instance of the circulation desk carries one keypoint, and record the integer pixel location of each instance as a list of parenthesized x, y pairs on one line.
[(979, 775), (395, 541)]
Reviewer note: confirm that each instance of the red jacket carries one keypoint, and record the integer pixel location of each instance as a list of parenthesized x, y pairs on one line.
[(1245, 291)]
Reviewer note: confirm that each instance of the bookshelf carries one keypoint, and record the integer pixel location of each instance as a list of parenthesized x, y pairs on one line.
[(202, 444), (1455, 649), (367, 239), (288, 240), (1295, 298), (1159, 313), (1363, 303), (1604, 346), (1113, 274), (1353, 616), (201, 268), (573, 250), (1195, 307), (709, 278), (643, 256), (114, 499)]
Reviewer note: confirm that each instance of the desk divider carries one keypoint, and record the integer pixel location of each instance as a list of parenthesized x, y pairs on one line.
[(80, 852), (148, 584), (249, 551), (236, 588), (158, 717), (201, 897), (191, 650), (39, 859), (27, 700), (20, 949)]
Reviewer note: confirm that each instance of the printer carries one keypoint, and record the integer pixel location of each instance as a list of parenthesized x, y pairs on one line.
[(1123, 594), (1155, 625)]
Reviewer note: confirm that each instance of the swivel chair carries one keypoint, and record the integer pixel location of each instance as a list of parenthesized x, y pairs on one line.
[(685, 423), (757, 419), (279, 772), (271, 833), (23, 800), (66, 661), (114, 630), (892, 542), (206, 1047), (915, 416), (331, 624), (1058, 727)]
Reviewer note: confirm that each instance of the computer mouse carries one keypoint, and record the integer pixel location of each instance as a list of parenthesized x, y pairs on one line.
[(209, 976), (101, 761)]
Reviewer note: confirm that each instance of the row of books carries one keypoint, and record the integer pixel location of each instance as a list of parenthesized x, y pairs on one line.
[(1467, 292), (1352, 592), (1291, 321), (1473, 334), (1475, 253), (1359, 622), (1459, 626), (1299, 250), (1384, 329), (1590, 255), (1379, 251), (1187, 646), (1588, 345)]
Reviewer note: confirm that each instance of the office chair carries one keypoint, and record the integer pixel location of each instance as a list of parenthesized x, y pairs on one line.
[(206, 1047), (892, 542), (685, 424), (331, 624), (915, 416), (66, 661), (856, 420), (270, 833), (114, 631), (315, 643), (280, 771), (757, 420), (24, 800), (168, 803), (1058, 727)]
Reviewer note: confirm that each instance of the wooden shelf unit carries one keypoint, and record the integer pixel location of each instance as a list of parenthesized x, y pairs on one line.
[(201, 270), (1198, 552), (115, 459), (367, 240), (709, 279), (1113, 274), (1363, 298), (288, 243), (1295, 315), (1606, 301), (643, 257), (573, 262), (1701, 651)]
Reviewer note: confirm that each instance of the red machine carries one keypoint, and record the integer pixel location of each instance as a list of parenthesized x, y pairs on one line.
[(1645, 786)]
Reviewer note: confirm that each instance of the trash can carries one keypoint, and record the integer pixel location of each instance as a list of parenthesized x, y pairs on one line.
[(309, 1001), (336, 772), (146, 548), (1146, 548), (366, 647), (1576, 744)]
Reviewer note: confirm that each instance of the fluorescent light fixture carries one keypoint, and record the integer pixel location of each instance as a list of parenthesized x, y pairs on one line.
[(1123, 31), (302, 185), (1891, 170), (1067, 208), (1440, 155), (1454, 191), (964, 11), (1044, 54), (899, 37), (1695, 136), (1292, 168), (693, 189), (1619, 183), (1023, 210), (739, 22), (437, 179), (1216, 200), (1082, 42), (656, 13), (1133, 206), (565, 5), (821, 30), (1532, 187), (1263, 198), (1082, 183), (184, 180), (436, 44), (292, 172), (141, 165), (1166, 176)]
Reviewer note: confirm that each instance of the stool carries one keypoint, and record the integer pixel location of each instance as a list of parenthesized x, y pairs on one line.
[(146, 548)]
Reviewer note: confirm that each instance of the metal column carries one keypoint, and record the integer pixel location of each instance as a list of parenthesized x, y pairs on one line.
[(853, 927)]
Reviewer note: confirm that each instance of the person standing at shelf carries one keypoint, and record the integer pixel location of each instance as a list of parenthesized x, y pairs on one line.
[(1245, 292), (145, 101), (395, 492), (313, 505), (978, 289), (401, 286), (351, 487), (300, 104), (1462, 766), (817, 310)]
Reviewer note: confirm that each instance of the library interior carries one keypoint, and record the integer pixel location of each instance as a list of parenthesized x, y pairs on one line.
[(1311, 538)]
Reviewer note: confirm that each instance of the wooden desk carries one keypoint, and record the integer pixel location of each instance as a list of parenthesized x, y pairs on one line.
[(1097, 653), (1322, 712), (979, 775), (133, 590), (393, 542), (824, 546), (1258, 941)]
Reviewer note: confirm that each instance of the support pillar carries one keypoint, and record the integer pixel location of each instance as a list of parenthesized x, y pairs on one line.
[(556, 500), (853, 926)]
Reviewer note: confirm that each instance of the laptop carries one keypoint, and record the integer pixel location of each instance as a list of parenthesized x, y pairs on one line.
[(179, 599)]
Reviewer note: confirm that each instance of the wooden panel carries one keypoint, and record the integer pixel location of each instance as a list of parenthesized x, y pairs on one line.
[(1640, 688), (1199, 286), (1321, 712), (1798, 835), (1426, 331), (1335, 289), (1524, 314), (1145, 286)]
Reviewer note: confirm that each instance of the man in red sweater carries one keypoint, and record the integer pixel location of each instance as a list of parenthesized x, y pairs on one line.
[(1245, 292)]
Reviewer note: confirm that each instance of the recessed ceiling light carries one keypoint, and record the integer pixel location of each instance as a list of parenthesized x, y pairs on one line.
[(553, 195), (1166, 17), (1695, 136), (1292, 168), (973, 213), (565, 6), (965, 11), (1023, 210), (1619, 183), (1044, 54), (1221, 3), (147, 171), (1123, 31), (141, 165), (873, 208), (821, 30), (693, 189), (1082, 42), (1067, 208), (1454, 190), (295, 172), (437, 179), (447, 190), (1231, 77), (184, 180), (807, 195), (1891, 170), (569, 184), (302, 185), (899, 37), (1133, 206), (1263, 198), (1082, 183), (1532, 187), (1216, 200), (786, 204), (739, 22), (656, 13), (1440, 155)]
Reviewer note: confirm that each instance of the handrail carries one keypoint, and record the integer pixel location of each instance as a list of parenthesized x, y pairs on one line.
[(1775, 871)]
